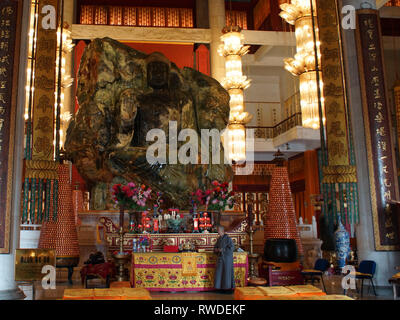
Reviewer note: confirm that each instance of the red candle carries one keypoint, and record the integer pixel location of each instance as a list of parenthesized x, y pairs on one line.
[(155, 225)]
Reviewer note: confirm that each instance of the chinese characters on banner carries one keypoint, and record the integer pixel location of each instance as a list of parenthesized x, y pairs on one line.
[(381, 165), (44, 99), (334, 94), (8, 34)]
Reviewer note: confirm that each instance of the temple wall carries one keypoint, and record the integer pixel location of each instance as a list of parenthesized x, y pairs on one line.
[(386, 261)]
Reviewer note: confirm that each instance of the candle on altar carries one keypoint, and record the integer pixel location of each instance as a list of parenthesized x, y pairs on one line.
[(121, 217)]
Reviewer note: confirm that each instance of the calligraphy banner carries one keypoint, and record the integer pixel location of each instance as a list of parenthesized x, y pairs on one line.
[(9, 54), (337, 134), (377, 125), (45, 79)]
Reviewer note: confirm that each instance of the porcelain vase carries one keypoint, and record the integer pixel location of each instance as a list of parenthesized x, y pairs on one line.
[(342, 243)]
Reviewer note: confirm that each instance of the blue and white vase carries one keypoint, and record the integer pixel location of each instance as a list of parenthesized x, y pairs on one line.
[(342, 242)]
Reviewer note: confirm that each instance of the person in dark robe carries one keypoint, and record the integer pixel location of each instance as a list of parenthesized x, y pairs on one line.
[(224, 280)]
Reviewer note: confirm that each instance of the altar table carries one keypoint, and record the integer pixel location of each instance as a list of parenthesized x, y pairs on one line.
[(205, 241), (158, 271)]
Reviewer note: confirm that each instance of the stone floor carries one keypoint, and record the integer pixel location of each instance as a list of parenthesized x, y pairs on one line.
[(333, 286)]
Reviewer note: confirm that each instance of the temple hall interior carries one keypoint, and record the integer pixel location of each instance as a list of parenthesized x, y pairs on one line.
[(199, 149)]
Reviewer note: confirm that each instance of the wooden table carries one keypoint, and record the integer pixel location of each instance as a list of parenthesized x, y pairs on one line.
[(158, 271)]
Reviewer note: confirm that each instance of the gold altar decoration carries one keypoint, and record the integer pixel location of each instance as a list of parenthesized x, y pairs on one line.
[(301, 13), (189, 265), (159, 271), (235, 82)]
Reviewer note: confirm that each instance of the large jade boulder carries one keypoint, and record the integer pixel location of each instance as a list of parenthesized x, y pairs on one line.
[(123, 94)]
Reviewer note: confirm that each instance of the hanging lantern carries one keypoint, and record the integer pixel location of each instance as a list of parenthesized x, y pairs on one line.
[(237, 141), (232, 48), (298, 13)]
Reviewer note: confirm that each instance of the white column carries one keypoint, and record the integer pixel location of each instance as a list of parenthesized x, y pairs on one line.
[(386, 261), (216, 12), (8, 288)]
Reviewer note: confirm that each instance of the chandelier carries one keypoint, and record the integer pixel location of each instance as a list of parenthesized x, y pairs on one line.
[(232, 49), (298, 13), (64, 80)]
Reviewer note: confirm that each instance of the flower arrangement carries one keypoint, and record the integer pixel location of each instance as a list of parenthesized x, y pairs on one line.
[(219, 197), (131, 196), (197, 199), (216, 198)]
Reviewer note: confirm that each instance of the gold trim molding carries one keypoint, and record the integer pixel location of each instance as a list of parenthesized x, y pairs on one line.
[(41, 169), (339, 174)]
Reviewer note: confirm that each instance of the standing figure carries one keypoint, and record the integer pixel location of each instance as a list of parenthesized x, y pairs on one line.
[(224, 280)]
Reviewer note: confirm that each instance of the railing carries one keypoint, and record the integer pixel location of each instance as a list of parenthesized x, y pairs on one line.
[(283, 126)]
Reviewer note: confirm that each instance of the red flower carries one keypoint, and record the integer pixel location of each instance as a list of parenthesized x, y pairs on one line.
[(215, 183)]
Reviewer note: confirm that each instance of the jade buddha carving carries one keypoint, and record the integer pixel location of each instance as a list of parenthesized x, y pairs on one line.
[(123, 94)]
